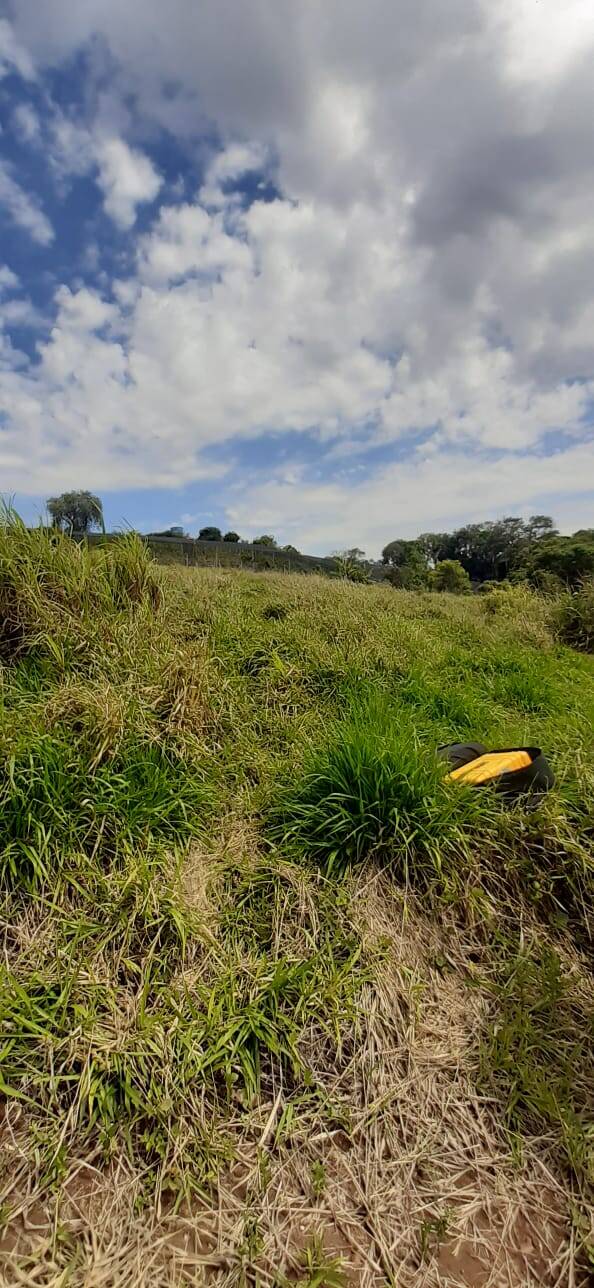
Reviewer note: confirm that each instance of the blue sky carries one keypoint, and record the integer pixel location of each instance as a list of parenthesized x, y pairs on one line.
[(323, 271)]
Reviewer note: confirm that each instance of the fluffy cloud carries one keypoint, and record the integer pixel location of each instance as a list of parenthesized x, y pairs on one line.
[(234, 161), (13, 55), (127, 179), (424, 271), (23, 209)]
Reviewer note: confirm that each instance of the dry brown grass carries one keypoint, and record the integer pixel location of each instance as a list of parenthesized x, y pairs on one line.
[(400, 1169)]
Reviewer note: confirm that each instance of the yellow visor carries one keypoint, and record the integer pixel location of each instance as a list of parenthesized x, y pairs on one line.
[(495, 763)]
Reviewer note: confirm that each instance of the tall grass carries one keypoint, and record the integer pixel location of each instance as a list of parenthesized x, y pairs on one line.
[(573, 617), (537, 1054)]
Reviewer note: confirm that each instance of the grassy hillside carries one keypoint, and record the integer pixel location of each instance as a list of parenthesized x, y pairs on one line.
[(278, 1004)]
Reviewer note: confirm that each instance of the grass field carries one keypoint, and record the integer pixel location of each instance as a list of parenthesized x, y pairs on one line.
[(279, 1005)]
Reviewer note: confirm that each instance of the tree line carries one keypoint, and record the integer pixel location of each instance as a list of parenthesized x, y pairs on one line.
[(82, 512), (500, 550), (489, 553)]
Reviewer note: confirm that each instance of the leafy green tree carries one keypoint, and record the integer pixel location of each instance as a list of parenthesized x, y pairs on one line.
[(290, 550), (76, 512), (449, 575), (231, 536), (540, 526), (210, 534), (265, 540), (436, 546), (566, 557), (407, 564)]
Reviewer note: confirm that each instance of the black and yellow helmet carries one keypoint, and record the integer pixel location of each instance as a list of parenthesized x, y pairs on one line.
[(512, 770)]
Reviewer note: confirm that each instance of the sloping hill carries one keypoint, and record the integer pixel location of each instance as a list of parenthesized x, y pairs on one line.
[(279, 1005)]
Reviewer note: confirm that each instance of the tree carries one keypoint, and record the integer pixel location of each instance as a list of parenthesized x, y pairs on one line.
[(355, 554), (76, 512), (540, 526), (265, 540), (406, 562), (210, 534), (231, 536), (449, 575), (569, 559), (436, 546), (290, 550)]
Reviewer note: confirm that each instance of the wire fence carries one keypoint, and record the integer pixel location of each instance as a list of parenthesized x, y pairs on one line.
[(225, 554)]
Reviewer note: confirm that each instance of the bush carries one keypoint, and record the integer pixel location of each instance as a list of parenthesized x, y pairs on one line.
[(573, 618), (231, 536), (408, 577), (449, 575), (352, 570), (548, 583), (210, 534)]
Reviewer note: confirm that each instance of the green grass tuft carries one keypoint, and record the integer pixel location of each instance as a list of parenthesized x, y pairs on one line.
[(374, 787)]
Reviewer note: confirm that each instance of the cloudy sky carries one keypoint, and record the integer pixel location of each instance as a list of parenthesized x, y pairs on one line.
[(320, 268)]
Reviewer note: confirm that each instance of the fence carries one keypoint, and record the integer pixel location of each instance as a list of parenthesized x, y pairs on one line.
[(226, 554)]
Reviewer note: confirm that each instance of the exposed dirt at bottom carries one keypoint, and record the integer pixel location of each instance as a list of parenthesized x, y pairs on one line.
[(397, 1174)]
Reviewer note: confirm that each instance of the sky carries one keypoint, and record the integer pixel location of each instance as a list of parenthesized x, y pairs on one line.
[(318, 269)]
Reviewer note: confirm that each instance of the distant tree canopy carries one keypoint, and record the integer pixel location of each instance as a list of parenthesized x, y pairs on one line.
[(490, 551), (265, 540), (210, 534), (231, 536), (355, 554), (76, 512)]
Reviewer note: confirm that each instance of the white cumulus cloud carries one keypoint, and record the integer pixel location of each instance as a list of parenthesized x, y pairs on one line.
[(423, 275), (127, 178)]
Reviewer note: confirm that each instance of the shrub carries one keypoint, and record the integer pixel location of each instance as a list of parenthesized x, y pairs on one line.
[(231, 536), (352, 570), (573, 618), (548, 583), (408, 577), (449, 575)]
